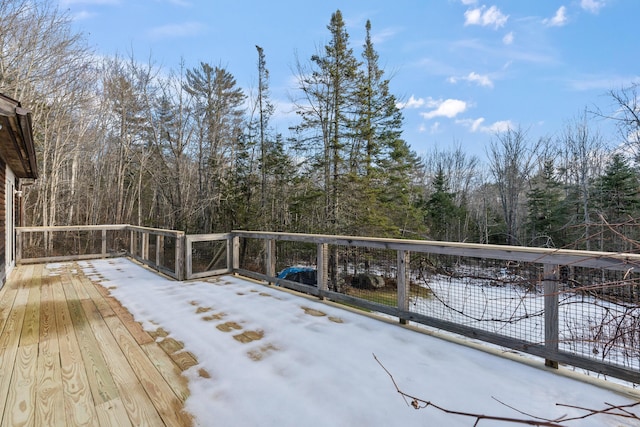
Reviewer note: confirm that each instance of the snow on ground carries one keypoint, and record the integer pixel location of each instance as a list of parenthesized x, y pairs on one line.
[(277, 359)]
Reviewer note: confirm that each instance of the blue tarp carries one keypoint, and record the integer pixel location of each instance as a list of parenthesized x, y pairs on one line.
[(293, 270), (304, 275)]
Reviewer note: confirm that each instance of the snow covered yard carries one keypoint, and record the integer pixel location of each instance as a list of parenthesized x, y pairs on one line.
[(270, 358)]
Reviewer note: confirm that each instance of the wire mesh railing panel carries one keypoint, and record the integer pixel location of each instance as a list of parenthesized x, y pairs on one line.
[(138, 238), (599, 315), (152, 249), (252, 255), (295, 254), (118, 241), (210, 255), (496, 296), (168, 257), (366, 273), (33, 244)]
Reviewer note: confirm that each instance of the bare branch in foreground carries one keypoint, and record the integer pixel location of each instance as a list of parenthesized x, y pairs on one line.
[(418, 403)]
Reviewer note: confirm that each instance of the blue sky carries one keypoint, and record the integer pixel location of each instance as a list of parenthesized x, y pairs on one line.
[(464, 69)]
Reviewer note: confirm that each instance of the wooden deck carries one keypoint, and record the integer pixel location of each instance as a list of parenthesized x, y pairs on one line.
[(70, 355)]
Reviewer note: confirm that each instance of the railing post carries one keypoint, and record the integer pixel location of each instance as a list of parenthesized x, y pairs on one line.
[(551, 329), (104, 242), (18, 246), (322, 267), (132, 242), (179, 258), (160, 249), (234, 255), (270, 261), (145, 246), (403, 283)]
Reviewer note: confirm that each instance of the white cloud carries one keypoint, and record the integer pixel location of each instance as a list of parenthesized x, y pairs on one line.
[(435, 128), (485, 17), (508, 38), (473, 77), (482, 80), (448, 108), (185, 29), (411, 103), (468, 2), (497, 127), (476, 125), (592, 6), (559, 19)]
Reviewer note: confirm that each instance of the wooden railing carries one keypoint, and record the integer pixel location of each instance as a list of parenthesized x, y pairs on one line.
[(575, 307), (162, 250)]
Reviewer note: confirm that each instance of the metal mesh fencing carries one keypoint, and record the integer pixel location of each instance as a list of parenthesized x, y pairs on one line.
[(252, 255), (210, 255), (493, 295), (599, 315)]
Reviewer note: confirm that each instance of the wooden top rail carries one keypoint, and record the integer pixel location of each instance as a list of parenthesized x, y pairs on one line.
[(591, 259), (73, 228), (161, 231)]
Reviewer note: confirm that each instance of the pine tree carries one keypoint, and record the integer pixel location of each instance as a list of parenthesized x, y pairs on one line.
[(618, 200), (218, 103), (327, 116), (547, 213), (381, 165), (442, 213)]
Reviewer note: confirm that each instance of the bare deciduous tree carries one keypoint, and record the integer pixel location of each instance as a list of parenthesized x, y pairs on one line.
[(511, 159)]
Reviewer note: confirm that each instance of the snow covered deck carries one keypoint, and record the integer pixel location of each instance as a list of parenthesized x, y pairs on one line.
[(234, 352), (72, 355)]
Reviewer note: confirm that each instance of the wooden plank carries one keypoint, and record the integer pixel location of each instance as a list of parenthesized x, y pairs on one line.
[(168, 405), (31, 326), (101, 383), (135, 329), (21, 400), (50, 402), (167, 367), (133, 397), (7, 297), (98, 297), (78, 403), (10, 338), (113, 413)]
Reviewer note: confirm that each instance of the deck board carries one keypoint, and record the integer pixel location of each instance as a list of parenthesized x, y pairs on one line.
[(49, 399), (9, 341), (70, 354)]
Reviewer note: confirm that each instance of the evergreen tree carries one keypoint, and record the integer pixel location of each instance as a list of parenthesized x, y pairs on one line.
[(218, 103), (618, 201), (547, 214), (443, 216), (327, 116), (381, 165), (265, 111)]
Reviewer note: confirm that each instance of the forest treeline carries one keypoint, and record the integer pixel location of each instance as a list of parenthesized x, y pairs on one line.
[(120, 140)]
